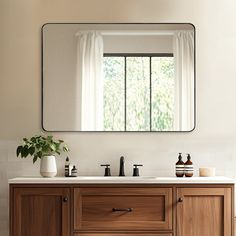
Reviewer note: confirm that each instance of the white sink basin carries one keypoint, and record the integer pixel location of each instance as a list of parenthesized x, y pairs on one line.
[(116, 178)]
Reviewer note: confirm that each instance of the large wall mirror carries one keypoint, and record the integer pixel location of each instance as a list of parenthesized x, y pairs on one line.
[(118, 77)]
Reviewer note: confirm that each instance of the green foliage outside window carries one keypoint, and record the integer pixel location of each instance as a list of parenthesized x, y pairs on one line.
[(138, 103)]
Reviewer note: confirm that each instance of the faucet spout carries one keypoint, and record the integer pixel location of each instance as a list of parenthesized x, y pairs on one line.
[(122, 166)]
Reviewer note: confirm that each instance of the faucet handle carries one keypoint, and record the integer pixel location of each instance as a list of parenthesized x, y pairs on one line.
[(107, 169), (136, 169)]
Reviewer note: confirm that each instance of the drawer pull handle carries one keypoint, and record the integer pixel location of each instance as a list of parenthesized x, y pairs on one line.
[(122, 209)]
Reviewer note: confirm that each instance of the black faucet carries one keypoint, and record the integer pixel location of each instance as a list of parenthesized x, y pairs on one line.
[(122, 166)]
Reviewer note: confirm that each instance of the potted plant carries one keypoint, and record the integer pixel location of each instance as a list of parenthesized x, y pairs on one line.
[(44, 148)]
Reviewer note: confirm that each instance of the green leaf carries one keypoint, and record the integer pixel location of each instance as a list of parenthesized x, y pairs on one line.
[(25, 151), (31, 150), (40, 154), (65, 148), (49, 137), (53, 148), (33, 139), (35, 158), (45, 148), (18, 150)]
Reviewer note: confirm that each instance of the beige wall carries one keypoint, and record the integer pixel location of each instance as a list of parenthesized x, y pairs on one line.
[(212, 143)]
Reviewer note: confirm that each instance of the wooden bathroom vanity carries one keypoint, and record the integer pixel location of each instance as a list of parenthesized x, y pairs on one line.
[(140, 207)]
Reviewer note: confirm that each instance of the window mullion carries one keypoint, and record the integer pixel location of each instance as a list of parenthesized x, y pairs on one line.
[(125, 90), (150, 91)]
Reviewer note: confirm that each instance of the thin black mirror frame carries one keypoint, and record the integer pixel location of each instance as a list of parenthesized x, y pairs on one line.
[(80, 131)]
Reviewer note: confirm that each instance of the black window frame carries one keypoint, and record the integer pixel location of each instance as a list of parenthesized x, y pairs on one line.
[(150, 55)]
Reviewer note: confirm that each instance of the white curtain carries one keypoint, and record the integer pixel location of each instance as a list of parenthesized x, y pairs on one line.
[(183, 46), (90, 78)]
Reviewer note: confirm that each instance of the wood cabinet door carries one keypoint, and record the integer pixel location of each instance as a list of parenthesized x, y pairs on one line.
[(204, 212), (40, 212), (121, 209)]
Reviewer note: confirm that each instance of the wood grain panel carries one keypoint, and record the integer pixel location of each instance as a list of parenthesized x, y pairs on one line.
[(34, 216), (145, 208), (204, 212), (41, 211), (151, 209)]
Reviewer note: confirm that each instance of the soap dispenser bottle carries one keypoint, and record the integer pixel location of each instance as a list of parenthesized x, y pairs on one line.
[(74, 172), (67, 163), (188, 167), (179, 167)]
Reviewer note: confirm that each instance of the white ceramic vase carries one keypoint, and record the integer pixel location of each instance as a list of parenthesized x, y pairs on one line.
[(48, 166)]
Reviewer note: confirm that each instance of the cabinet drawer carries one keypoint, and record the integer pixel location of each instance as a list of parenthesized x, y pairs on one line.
[(123, 234), (122, 208)]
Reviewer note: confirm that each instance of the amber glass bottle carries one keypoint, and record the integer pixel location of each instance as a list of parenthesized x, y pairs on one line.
[(179, 167), (188, 167)]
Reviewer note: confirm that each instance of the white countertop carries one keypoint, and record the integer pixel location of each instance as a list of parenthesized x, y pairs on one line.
[(122, 180)]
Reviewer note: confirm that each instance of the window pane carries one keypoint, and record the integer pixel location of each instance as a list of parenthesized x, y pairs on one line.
[(114, 94), (162, 93), (138, 94)]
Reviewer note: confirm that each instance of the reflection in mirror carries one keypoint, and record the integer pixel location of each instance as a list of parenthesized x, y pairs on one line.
[(118, 77)]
